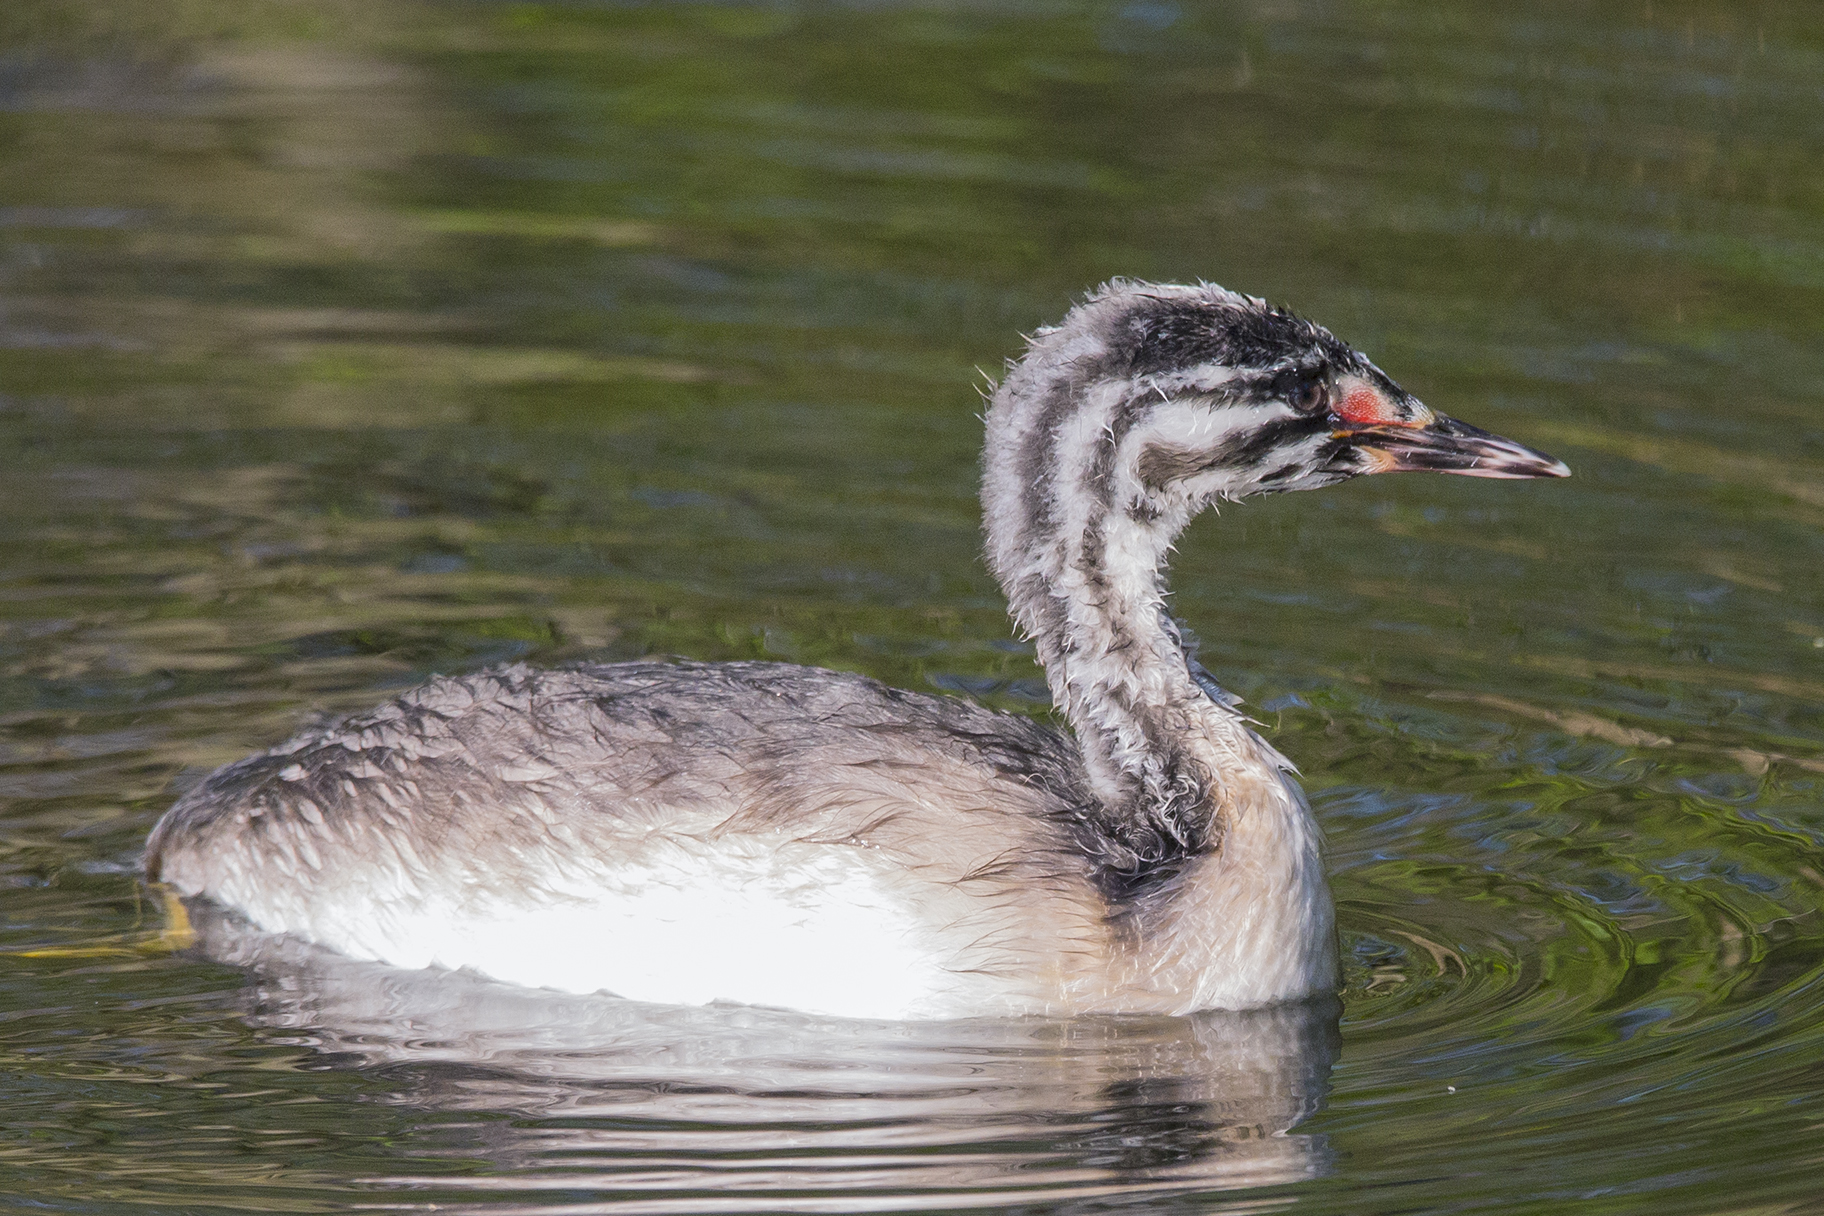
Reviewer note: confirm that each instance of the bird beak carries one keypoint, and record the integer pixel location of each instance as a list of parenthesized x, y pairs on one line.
[(1444, 445)]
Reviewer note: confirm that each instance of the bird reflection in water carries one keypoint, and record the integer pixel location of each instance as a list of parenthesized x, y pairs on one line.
[(740, 1108)]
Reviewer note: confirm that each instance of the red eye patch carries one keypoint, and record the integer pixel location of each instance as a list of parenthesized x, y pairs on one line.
[(1365, 407)]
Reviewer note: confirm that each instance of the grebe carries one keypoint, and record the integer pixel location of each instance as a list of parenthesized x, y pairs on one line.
[(777, 835)]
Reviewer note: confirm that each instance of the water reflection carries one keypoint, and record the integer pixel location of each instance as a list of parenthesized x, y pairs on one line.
[(747, 1108)]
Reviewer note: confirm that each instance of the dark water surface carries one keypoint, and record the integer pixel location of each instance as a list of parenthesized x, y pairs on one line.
[(342, 343)]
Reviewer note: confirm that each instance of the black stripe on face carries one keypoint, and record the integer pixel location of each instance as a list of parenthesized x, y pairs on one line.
[(1160, 464), (1037, 462), (1099, 478), (1043, 480)]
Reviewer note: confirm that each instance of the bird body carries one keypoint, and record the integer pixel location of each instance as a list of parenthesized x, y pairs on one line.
[(754, 832), (779, 835)]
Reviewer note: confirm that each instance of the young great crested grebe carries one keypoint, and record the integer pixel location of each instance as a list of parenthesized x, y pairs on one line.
[(779, 835)]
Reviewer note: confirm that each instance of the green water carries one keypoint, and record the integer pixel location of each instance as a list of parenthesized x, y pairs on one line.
[(345, 343)]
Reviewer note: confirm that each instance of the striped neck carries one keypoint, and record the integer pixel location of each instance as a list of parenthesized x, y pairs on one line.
[(1079, 541)]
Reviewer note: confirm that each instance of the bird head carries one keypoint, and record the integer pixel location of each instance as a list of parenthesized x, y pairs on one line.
[(1149, 402), (1228, 396)]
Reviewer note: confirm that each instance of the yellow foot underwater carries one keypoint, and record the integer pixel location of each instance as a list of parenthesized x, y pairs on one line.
[(175, 934)]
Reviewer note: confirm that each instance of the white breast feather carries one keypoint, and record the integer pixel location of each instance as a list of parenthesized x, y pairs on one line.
[(815, 928)]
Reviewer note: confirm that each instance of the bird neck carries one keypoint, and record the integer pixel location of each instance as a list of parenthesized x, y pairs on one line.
[(1082, 561), (1117, 665), (1119, 669)]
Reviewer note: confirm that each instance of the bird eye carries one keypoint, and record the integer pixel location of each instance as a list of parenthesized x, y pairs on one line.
[(1308, 396)]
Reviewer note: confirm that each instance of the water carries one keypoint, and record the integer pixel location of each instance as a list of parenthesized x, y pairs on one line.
[(341, 344)]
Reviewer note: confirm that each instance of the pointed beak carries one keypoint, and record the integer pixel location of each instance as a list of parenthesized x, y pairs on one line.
[(1444, 445)]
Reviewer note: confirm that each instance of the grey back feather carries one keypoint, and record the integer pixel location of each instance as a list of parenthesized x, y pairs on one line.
[(492, 778)]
